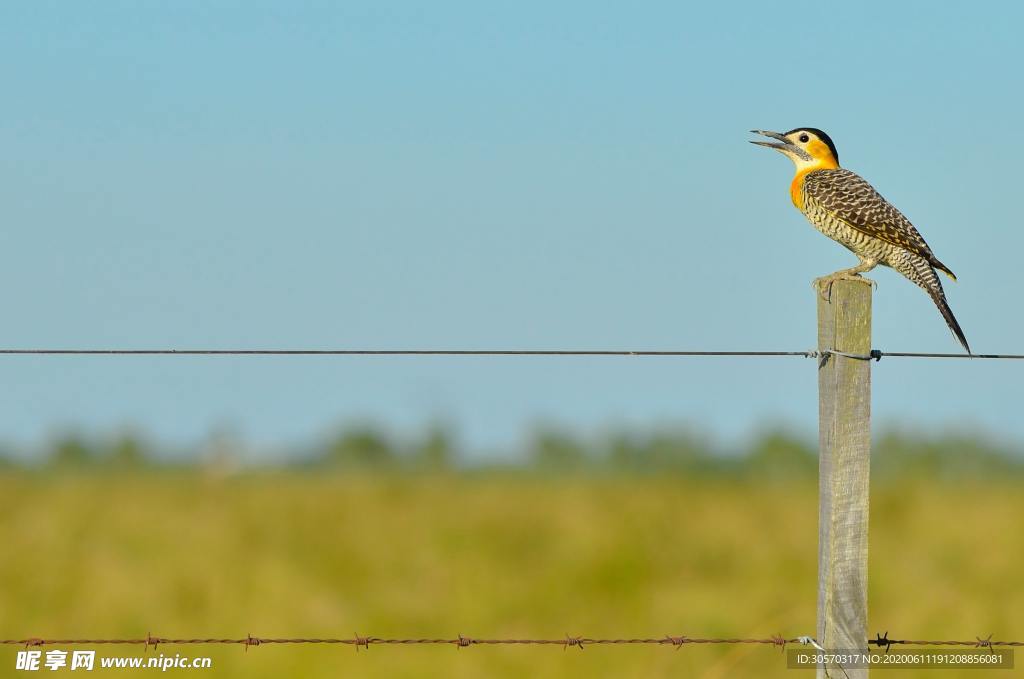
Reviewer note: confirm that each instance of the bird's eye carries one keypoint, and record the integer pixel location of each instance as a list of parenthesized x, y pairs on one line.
[(804, 138)]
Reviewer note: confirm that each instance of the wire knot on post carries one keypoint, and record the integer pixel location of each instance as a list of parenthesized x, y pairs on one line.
[(811, 641), (824, 354)]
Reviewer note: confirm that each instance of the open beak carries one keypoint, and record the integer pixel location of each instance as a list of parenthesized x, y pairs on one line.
[(785, 146), (774, 135)]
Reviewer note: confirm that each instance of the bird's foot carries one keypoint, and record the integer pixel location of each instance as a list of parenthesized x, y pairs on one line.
[(824, 284)]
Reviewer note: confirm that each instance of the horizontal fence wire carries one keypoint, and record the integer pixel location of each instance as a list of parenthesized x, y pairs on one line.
[(876, 354), (880, 640)]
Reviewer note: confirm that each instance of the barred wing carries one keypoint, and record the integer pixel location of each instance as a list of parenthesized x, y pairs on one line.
[(848, 197)]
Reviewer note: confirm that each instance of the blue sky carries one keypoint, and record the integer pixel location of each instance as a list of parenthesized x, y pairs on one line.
[(470, 175)]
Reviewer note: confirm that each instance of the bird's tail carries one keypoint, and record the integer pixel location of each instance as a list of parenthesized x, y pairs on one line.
[(942, 267), (939, 297)]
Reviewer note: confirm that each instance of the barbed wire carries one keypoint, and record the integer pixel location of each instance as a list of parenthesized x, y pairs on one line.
[(876, 354), (460, 641)]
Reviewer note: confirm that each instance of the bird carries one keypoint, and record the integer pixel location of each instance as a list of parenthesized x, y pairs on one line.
[(846, 208)]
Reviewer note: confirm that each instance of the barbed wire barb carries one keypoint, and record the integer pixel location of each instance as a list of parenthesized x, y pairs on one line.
[(882, 640), (361, 641)]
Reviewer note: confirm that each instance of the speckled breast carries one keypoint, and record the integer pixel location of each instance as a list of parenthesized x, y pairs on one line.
[(844, 234)]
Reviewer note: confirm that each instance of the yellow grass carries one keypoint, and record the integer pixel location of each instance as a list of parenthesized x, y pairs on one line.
[(292, 554)]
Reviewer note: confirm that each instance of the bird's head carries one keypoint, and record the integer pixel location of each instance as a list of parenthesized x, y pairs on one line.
[(808, 147)]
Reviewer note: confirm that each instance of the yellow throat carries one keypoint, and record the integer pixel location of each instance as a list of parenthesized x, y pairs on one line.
[(821, 159)]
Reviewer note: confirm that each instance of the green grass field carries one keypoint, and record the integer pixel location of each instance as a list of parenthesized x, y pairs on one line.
[(488, 555)]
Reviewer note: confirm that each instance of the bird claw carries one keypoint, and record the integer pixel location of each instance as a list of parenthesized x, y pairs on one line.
[(824, 284)]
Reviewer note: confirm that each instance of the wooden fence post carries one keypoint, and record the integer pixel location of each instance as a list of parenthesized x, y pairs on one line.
[(844, 434)]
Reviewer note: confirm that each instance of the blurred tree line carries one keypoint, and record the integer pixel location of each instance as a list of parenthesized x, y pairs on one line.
[(773, 453)]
